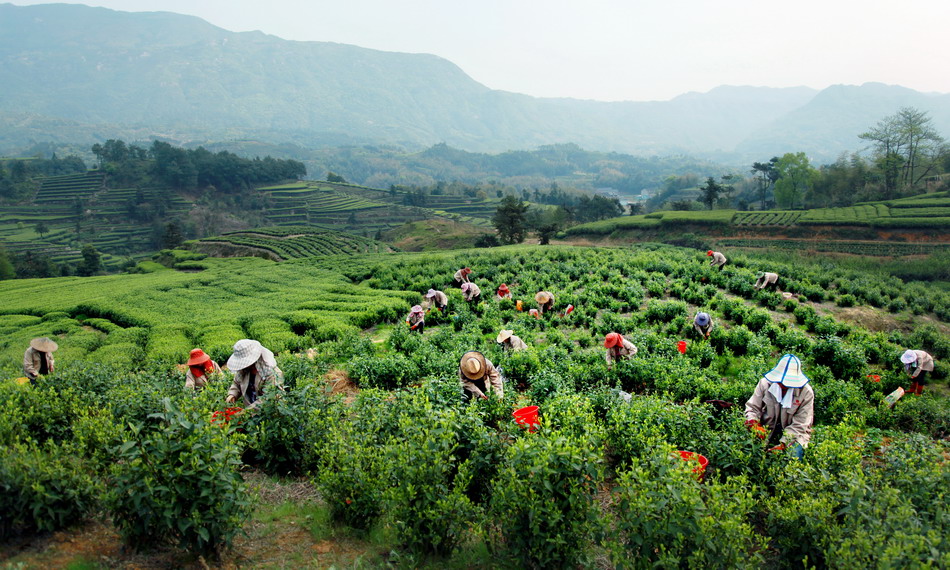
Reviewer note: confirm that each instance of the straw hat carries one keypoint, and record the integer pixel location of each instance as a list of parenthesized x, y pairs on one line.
[(44, 344), (788, 371), (702, 319), (473, 365), (542, 297), (708, 253), (909, 357), (612, 340), (247, 352), (430, 294), (504, 335), (197, 357)]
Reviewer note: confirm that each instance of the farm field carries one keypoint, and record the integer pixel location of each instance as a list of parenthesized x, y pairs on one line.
[(389, 467), (289, 242), (916, 225)]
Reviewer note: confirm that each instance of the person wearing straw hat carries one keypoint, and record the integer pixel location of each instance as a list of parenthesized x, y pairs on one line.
[(38, 358), (718, 259), (618, 348), (766, 279), (703, 324), (461, 276), (255, 372), (470, 291), (416, 319), (545, 301), (917, 364), (477, 373), (503, 292), (507, 339), (439, 299), (201, 369), (783, 403)]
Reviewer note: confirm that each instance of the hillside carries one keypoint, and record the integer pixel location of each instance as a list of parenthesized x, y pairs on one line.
[(73, 72)]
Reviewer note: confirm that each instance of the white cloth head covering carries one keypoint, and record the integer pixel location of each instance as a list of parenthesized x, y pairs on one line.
[(909, 357), (417, 309), (430, 294), (788, 372), (466, 287), (247, 352)]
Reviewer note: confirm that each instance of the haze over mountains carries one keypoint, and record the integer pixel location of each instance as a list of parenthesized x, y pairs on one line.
[(73, 73)]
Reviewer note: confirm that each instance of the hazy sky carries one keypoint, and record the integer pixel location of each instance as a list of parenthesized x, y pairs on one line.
[(613, 50)]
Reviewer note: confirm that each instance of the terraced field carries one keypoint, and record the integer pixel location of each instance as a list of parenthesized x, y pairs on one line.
[(290, 242)]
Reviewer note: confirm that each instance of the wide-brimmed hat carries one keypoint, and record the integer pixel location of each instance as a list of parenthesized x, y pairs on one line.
[(417, 309), (542, 297), (473, 365), (430, 293), (503, 287), (43, 344), (612, 340), (788, 371), (197, 357), (247, 352), (710, 252), (702, 319), (909, 357), (504, 335), (466, 270)]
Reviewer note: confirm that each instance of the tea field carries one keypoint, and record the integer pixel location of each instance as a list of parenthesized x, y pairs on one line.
[(372, 418)]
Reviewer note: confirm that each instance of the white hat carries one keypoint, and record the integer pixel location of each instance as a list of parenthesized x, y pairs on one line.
[(788, 372), (247, 352), (909, 357), (430, 293), (504, 335), (416, 309), (466, 286)]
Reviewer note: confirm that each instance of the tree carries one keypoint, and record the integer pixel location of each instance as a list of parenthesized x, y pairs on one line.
[(6, 266), (333, 177), (91, 262), (906, 147), (509, 220), (171, 236), (796, 179), (766, 175), (635, 208), (709, 193), (42, 229)]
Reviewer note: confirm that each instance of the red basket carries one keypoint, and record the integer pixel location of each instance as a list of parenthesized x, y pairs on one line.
[(222, 417), (691, 456), (681, 346), (527, 417)]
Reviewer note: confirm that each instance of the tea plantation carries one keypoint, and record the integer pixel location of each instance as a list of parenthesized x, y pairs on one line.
[(112, 433)]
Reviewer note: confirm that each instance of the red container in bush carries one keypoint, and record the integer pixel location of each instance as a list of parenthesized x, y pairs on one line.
[(703, 462), (681, 346), (223, 417), (527, 417)]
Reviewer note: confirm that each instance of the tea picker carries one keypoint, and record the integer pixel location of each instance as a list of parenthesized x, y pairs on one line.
[(461, 276), (507, 339), (917, 364), (718, 259), (416, 319), (703, 324), (38, 358), (618, 348), (471, 292), (255, 373), (439, 299), (476, 374), (503, 292), (766, 279), (545, 301), (782, 406), (201, 369)]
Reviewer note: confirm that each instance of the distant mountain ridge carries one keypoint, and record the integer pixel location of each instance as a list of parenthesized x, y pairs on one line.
[(72, 72)]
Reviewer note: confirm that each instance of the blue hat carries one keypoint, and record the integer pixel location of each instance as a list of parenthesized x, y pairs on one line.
[(702, 319), (788, 372)]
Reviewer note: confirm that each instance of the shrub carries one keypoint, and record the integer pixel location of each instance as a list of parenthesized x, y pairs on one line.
[(845, 362), (43, 489), (180, 484), (664, 517), (387, 372), (543, 500)]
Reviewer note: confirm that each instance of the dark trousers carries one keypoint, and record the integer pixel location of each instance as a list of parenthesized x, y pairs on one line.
[(468, 395)]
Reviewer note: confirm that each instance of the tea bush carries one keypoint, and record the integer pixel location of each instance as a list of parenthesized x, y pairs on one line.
[(179, 484), (542, 500), (43, 488)]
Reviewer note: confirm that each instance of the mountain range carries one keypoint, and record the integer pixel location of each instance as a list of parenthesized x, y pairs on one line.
[(73, 73)]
